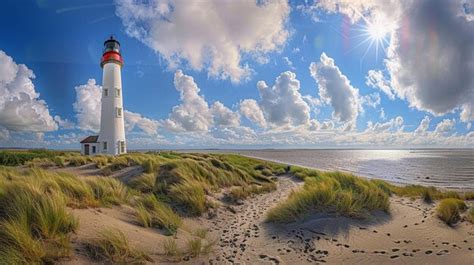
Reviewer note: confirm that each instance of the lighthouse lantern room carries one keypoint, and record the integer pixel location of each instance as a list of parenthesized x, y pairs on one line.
[(111, 138)]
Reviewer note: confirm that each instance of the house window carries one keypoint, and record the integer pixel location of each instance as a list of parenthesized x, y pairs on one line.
[(106, 92), (122, 146), (93, 149), (104, 145), (119, 112), (117, 92)]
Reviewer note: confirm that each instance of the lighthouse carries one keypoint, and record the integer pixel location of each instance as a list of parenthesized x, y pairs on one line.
[(111, 138)]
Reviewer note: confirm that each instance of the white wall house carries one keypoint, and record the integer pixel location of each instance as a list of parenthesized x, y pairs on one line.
[(111, 138)]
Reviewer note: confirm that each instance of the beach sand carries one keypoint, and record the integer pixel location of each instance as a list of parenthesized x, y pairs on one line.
[(410, 234)]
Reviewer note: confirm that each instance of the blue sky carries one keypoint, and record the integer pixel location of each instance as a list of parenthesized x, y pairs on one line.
[(226, 55)]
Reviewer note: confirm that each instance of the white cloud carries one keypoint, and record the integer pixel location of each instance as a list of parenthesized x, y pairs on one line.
[(87, 106), (64, 123), (389, 126), (223, 116), (382, 114), (335, 89), (376, 79), (282, 104), (252, 111), (430, 59), (147, 125), (288, 62), (194, 113), (445, 126), (4, 134), (467, 114), (213, 35), (88, 110), (371, 100), (424, 125), (20, 106)]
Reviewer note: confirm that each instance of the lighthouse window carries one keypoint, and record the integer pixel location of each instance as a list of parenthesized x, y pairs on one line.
[(119, 112), (106, 92), (117, 92), (122, 146), (105, 145)]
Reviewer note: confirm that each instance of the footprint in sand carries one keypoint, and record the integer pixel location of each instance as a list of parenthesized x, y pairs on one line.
[(394, 256), (428, 252)]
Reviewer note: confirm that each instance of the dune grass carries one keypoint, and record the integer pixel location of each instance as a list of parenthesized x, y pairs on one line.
[(151, 212), (108, 191), (189, 179), (333, 192), (34, 224), (170, 247), (112, 246), (449, 210), (470, 215), (20, 157), (144, 183)]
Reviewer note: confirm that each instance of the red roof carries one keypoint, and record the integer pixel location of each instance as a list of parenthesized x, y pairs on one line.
[(90, 139)]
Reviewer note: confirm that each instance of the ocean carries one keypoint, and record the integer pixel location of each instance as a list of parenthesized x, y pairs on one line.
[(442, 168)]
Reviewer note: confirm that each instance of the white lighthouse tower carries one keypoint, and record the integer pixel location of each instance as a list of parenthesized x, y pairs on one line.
[(111, 139), (112, 130)]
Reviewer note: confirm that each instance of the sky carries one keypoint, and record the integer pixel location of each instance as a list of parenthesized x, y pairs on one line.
[(242, 74)]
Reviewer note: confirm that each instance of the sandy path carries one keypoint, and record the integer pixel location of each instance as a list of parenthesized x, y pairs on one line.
[(410, 234), (237, 232)]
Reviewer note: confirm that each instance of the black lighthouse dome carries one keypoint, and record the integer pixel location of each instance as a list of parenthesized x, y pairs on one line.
[(111, 45)]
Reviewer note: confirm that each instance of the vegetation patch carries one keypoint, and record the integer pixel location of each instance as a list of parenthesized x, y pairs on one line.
[(113, 246), (335, 192), (449, 210), (34, 224), (151, 212)]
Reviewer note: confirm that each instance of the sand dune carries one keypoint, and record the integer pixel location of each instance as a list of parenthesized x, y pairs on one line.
[(410, 234)]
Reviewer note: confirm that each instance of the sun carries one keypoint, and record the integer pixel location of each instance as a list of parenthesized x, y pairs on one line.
[(377, 33)]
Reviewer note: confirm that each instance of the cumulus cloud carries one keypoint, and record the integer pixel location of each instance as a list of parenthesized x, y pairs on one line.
[(21, 109), (282, 104), (180, 32), (429, 60), (64, 123), (376, 79), (445, 126), (87, 106), (223, 116), (147, 125), (252, 111), (424, 125), (371, 100), (395, 124), (335, 89), (194, 113)]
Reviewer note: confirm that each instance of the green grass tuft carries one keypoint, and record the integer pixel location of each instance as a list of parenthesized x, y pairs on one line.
[(151, 212), (335, 192), (113, 246), (449, 210)]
